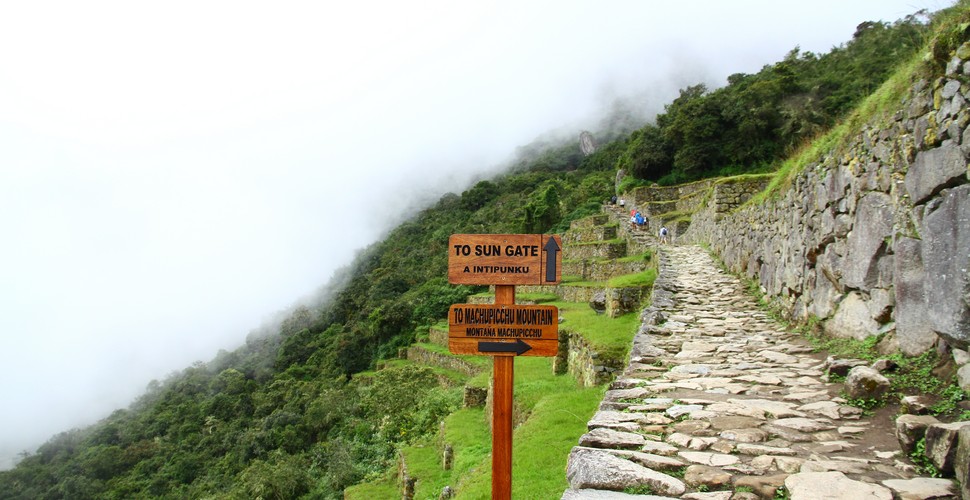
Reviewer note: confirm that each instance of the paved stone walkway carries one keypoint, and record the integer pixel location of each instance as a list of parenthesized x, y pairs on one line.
[(719, 402)]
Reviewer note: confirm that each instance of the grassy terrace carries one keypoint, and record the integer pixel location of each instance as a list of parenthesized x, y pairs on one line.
[(611, 337), (555, 410), (558, 413)]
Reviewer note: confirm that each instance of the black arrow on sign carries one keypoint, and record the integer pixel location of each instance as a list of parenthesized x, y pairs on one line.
[(551, 249), (518, 347)]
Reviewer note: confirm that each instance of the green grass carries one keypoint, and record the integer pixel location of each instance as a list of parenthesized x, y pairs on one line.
[(734, 179), (644, 278), (536, 297), (579, 282), (647, 256), (385, 487), (558, 412), (610, 337)]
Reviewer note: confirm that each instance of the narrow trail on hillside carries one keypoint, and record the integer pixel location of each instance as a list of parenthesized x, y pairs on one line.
[(719, 401)]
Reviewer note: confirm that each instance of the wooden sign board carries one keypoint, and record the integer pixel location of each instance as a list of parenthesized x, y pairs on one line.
[(503, 330), (504, 259)]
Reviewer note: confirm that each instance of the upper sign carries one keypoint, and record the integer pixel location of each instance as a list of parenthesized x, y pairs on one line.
[(504, 259)]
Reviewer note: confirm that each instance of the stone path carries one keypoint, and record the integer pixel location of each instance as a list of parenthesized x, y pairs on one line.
[(719, 402)]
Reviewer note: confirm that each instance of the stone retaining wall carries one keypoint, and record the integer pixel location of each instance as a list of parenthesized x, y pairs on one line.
[(873, 237), (566, 293), (595, 250), (595, 270), (583, 362), (438, 336), (423, 356), (589, 234)]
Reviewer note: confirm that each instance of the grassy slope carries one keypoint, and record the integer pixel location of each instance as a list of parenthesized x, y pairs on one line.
[(557, 412)]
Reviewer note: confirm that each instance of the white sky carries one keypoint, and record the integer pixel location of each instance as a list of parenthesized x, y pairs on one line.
[(171, 173)]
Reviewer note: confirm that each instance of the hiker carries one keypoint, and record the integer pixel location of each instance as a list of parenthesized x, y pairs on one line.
[(613, 200), (633, 222), (639, 220), (622, 202), (663, 235)]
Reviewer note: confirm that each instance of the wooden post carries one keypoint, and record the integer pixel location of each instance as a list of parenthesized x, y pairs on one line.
[(503, 371)]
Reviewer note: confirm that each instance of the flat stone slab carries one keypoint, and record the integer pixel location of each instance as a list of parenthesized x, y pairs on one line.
[(626, 394), (649, 460), (833, 486), (841, 466), (609, 438), (710, 495), (778, 409), (602, 470), (803, 424), (735, 422), (572, 494), (678, 410), (745, 435), (921, 488), (757, 449), (603, 417), (659, 448), (706, 458), (778, 357)]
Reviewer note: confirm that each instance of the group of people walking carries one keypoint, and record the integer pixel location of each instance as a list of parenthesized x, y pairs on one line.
[(638, 221)]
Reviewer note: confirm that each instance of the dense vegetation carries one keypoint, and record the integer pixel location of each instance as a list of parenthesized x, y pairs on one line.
[(285, 416), (754, 121)]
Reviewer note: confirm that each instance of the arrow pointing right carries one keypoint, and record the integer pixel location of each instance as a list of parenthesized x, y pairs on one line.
[(518, 347)]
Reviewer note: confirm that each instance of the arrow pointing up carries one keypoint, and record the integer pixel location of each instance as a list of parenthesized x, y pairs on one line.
[(551, 248), (518, 347)]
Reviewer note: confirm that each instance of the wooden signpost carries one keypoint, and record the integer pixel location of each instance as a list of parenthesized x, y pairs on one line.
[(503, 330)]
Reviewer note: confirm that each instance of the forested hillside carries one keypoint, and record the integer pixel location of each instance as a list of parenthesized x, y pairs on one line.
[(284, 416)]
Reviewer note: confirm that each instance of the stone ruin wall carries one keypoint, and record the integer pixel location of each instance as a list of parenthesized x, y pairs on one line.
[(875, 237), (661, 204)]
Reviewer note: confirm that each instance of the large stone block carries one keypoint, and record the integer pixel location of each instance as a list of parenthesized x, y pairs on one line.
[(863, 382), (588, 468), (852, 319), (867, 242), (941, 444), (946, 261), (910, 429), (934, 170), (963, 377), (913, 330), (832, 485), (961, 465)]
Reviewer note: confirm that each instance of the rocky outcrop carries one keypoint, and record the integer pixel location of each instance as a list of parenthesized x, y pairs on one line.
[(873, 237)]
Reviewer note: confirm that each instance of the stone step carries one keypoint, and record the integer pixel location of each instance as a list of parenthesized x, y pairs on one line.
[(716, 384)]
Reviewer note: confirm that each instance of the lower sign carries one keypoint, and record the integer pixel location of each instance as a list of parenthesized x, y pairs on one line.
[(503, 330)]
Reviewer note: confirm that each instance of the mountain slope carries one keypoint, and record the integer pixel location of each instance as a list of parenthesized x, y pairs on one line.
[(284, 416)]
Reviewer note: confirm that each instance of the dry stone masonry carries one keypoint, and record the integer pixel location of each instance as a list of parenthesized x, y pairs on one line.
[(874, 237), (719, 401)]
